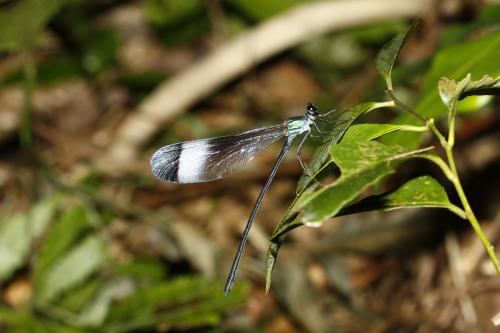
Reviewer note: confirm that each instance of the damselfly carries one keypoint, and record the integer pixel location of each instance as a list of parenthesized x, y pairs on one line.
[(209, 159)]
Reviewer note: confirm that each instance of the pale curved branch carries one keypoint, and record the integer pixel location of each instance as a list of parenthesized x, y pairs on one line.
[(238, 56)]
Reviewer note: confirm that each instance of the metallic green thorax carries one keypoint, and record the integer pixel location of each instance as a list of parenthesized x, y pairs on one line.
[(297, 125)]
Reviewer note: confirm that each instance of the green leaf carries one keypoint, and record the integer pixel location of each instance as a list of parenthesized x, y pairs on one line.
[(176, 21), (95, 312), (42, 213), (478, 57), (142, 268), (100, 51), (81, 296), (423, 191), (146, 300), (448, 91), (59, 238), (22, 320), (17, 232), (456, 33), (184, 302), (362, 164), (14, 245), (171, 12), (451, 91), (88, 305), (367, 132), (388, 54), (473, 103), (342, 123), (81, 261), (20, 25)]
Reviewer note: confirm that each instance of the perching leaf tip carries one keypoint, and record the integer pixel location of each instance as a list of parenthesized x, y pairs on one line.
[(388, 54)]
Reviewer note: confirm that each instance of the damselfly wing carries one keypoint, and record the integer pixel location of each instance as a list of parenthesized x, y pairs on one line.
[(210, 159)]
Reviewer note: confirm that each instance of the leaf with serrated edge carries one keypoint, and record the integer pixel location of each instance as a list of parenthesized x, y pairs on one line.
[(388, 54), (423, 191)]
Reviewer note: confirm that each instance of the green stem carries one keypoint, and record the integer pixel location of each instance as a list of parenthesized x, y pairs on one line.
[(404, 107), (441, 164), (433, 128), (469, 214), (379, 105), (450, 170), (412, 128), (428, 122), (451, 127)]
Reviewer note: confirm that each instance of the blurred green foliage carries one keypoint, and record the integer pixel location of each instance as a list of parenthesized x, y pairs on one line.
[(177, 22), (76, 284), (53, 69), (93, 47), (172, 13), (489, 16), (332, 56), (21, 25)]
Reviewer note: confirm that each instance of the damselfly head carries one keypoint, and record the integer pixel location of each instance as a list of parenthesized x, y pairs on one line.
[(312, 111)]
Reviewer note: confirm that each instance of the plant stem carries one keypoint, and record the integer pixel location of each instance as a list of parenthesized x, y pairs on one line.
[(405, 107), (412, 128), (437, 133), (383, 105), (442, 165), (451, 129), (428, 122), (450, 170), (469, 214), (448, 147)]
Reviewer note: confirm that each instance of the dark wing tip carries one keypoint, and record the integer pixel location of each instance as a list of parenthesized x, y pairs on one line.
[(165, 162)]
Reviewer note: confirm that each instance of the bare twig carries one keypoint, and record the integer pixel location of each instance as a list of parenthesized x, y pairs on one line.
[(238, 56)]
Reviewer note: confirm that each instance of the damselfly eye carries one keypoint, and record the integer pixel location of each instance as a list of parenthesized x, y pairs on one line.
[(312, 110)]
